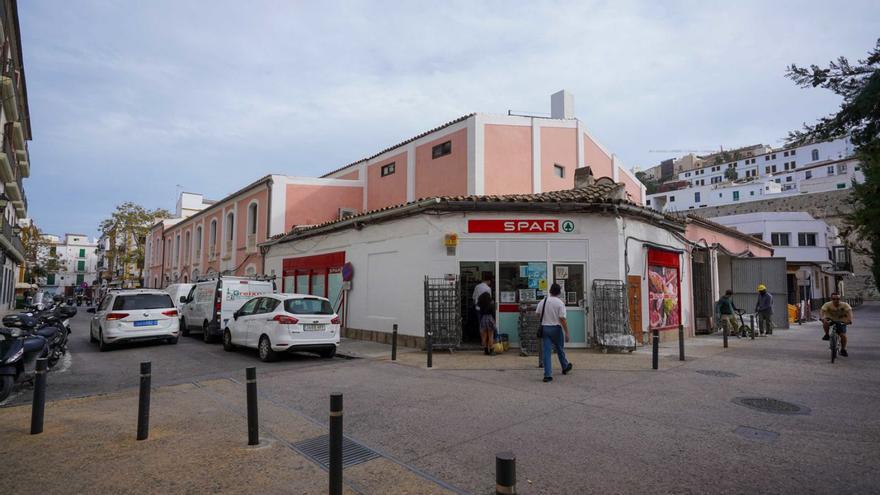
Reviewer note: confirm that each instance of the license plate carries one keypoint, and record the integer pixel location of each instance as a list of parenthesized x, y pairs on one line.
[(308, 327), (145, 323)]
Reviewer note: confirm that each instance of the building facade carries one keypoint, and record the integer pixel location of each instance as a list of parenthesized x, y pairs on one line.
[(76, 260), (14, 157), (476, 154)]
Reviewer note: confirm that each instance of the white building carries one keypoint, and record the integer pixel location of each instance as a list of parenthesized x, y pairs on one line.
[(77, 262), (714, 195), (811, 248)]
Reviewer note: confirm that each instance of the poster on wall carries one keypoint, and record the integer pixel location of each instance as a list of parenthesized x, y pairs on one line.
[(664, 298)]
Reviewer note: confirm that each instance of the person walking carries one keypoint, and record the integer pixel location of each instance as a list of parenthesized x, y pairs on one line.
[(727, 310), (764, 310), (553, 323), (487, 323)]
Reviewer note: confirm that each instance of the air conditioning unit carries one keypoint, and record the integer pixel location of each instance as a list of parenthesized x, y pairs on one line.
[(347, 212)]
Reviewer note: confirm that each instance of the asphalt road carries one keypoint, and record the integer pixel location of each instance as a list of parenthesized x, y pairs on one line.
[(87, 371), (676, 430)]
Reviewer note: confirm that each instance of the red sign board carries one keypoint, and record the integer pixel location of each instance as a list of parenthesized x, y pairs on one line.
[(513, 226)]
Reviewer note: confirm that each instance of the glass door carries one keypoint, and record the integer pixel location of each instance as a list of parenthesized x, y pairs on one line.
[(570, 277)]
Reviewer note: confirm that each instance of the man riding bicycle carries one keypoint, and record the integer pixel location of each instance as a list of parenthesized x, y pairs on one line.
[(837, 312)]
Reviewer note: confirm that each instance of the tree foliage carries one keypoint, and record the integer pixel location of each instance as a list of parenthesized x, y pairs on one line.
[(36, 252), (650, 184), (126, 228), (859, 117)]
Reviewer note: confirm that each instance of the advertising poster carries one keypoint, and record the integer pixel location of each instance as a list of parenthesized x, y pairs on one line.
[(663, 297)]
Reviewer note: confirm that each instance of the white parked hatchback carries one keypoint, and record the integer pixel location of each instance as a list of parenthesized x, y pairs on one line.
[(277, 323), (133, 315)]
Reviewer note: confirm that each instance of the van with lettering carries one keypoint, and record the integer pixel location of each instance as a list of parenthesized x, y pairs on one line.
[(209, 305)]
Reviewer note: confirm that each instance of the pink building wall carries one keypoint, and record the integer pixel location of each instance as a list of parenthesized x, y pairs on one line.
[(558, 145), (447, 175), (507, 161), (311, 204), (351, 175), (243, 259), (698, 233), (597, 159), (633, 189), (388, 190)]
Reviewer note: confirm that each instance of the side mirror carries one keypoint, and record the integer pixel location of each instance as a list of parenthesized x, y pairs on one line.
[(90, 310), (183, 299), (235, 315)]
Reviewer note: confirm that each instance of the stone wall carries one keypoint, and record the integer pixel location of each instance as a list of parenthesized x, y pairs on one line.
[(832, 207)]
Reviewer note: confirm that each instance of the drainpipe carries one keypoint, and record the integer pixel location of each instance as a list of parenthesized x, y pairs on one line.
[(268, 224)]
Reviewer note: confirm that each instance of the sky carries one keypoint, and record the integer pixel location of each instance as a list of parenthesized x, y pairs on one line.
[(137, 101)]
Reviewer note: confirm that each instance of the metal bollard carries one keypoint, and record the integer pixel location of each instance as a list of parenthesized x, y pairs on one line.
[(144, 402), (394, 343), (505, 473), (754, 330), (655, 358), (253, 420), (336, 444), (429, 344), (724, 333), (39, 404), (681, 342)]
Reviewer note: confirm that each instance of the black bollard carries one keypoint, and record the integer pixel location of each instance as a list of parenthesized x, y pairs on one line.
[(681, 342), (655, 358), (429, 344), (335, 444), (754, 330), (505, 473), (253, 420), (394, 343), (144, 403), (724, 333), (39, 404)]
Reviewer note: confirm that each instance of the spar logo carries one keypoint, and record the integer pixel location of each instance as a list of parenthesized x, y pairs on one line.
[(568, 226), (518, 226)]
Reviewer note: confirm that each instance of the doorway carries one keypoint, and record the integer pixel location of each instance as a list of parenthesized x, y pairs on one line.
[(471, 273), (571, 279)]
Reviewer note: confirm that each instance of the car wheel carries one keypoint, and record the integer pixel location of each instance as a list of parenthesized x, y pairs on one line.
[(228, 346), (92, 338), (102, 346), (183, 328), (206, 336), (267, 355), (173, 340), (328, 353)]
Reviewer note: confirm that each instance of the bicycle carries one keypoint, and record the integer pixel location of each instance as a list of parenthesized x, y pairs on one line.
[(744, 330), (834, 337)]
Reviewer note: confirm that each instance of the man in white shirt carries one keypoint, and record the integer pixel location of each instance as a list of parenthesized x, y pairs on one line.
[(552, 311), (481, 288)]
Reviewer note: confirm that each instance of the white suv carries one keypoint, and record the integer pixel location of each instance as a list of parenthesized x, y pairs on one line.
[(133, 315), (277, 323)]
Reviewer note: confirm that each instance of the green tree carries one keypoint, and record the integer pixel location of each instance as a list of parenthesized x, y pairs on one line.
[(127, 228), (730, 173), (650, 184), (859, 117), (36, 252)]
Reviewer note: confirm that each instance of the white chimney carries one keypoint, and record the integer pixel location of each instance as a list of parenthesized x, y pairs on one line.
[(562, 105)]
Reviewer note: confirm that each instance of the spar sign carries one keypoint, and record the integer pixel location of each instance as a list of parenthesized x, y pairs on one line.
[(520, 226)]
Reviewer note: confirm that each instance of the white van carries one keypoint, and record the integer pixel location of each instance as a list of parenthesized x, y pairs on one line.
[(210, 303), (176, 291)]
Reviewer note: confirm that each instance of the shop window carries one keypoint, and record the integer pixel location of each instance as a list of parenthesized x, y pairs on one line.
[(318, 285), (559, 170), (571, 280), (442, 149), (521, 282), (387, 169)]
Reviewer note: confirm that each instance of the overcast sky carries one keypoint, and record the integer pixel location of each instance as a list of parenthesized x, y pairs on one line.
[(135, 100)]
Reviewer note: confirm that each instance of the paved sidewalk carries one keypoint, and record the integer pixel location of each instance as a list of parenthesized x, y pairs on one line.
[(197, 444)]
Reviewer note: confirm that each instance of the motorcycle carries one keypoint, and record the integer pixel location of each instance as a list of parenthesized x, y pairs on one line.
[(53, 324), (19, 351)]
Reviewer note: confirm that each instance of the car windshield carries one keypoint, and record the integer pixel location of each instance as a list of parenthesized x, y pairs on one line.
[(308, 307), (143, 301)]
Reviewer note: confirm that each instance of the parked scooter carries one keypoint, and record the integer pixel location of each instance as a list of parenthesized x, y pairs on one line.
[(53, 324), (19, 351)]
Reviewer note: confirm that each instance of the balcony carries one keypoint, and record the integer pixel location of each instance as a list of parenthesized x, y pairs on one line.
[(251, 243), (11, 242)]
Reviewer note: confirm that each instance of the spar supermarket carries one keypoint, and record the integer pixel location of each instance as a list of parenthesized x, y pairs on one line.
[(624, 268)]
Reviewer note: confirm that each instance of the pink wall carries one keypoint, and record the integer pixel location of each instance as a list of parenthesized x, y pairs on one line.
[(351, 176), (558, 145), (597, 159), (633, 190), (388, 190), (698, 233), (308, 204), (444, 176), (507, 159), (243, 258)]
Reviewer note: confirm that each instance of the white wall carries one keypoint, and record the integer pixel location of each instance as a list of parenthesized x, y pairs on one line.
[(793, 223)]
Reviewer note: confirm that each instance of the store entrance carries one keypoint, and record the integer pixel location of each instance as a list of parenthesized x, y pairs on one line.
[(471, 274)]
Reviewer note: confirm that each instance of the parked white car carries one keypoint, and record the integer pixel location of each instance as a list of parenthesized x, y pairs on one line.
[(277, 323), (176, 291), (210, 304), (134, 315)]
